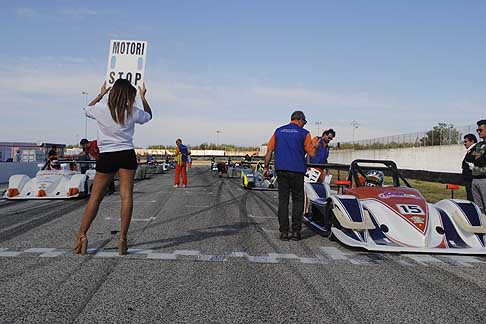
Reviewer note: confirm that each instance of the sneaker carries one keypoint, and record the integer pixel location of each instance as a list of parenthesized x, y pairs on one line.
[(284, 236), (296, 236), (175, 186)]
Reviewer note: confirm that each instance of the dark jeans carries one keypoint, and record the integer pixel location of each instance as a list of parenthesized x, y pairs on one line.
[(468, 185), (290, 182)]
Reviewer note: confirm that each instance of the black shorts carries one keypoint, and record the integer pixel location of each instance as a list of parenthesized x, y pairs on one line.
[(111, 162)]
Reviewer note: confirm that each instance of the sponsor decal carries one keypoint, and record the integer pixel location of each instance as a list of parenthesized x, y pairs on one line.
[(395, 194), (408, 209), (417, 219)]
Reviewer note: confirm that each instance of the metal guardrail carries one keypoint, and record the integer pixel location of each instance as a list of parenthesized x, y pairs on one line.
[(448, 135)]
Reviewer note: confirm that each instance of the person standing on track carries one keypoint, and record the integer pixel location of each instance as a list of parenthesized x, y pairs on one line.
[(470, 141), (290, 142), (181, 157), (478, 159), (91, 151), (322, 151), (116, 121)]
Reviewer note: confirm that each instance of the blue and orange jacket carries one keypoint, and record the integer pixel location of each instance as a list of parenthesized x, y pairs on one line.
[(181, 153), (322, 153), (290, 143)]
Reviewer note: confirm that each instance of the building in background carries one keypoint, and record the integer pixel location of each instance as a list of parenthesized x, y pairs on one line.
[(29, 152)]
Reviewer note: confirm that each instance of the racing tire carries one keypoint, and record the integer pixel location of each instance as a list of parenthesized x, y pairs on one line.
[(85, 194), (331, 220)]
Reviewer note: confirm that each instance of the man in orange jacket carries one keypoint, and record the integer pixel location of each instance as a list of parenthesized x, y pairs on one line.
[(181, 159)]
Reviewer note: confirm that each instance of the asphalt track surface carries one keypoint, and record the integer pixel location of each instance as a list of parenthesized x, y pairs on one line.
[(210, 254)]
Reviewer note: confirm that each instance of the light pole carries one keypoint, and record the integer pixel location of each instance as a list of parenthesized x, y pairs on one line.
[(85, 94), (217, 137), (355, 125), (318, 124)]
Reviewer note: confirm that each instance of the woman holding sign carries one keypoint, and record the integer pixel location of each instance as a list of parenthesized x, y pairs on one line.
[(116, 120)]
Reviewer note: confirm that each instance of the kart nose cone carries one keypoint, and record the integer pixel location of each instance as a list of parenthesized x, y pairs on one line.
[(12, 192), (73, 191)]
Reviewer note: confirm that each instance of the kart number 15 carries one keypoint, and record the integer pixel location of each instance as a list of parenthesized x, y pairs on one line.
[(410, 209)]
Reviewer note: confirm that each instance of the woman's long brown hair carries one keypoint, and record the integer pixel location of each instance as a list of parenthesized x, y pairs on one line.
[(121, 99)]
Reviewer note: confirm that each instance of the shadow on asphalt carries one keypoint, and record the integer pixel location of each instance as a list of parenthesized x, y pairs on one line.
[(196, 236)]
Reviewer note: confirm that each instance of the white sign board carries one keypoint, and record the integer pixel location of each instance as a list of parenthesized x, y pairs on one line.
[(126, 60)]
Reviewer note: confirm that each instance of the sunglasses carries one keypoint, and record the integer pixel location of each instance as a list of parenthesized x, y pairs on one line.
[(479, 130)]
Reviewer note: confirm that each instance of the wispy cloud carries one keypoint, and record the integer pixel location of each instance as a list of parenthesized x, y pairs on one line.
[(36, 90), (317, 97), (79, 12), (25, 12)]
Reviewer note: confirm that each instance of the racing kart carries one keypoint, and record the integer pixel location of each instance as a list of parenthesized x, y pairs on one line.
[(394, 217), (253, 178), (63, 182), (156, 168)]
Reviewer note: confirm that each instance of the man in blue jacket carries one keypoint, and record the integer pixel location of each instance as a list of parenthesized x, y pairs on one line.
[(290, 142)]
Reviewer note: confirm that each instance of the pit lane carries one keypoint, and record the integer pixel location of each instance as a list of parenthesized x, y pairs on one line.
[(210, 253)]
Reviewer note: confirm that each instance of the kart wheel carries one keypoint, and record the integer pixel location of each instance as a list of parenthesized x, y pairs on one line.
[(330, 219), (332, 237)]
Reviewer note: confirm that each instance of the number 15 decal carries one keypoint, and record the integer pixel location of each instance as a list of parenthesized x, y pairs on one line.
[(410, 209)]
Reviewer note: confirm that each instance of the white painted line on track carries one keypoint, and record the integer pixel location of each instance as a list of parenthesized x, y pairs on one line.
[(103, 254), (135, 201), (162, 256), (186, 252), (336, 254), (134, 219), (10, 254), (263, 217), (424, 259), (266, 230), (328, 255), (196, 206), (463, 260), (39, 250)]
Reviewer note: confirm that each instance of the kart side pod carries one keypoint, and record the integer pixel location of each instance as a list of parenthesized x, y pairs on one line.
[(16, 184), (350, 214), (464, 213), (459, 219)]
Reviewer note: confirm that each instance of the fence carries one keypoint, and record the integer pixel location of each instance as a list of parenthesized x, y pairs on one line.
[(439, 135)]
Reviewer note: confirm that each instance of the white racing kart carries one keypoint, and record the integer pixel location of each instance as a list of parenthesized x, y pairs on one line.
[(49, 183), (394, 217), (255, 180)]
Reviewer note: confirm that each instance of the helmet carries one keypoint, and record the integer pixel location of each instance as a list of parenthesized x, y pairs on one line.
[(374, 178), (55, 165)]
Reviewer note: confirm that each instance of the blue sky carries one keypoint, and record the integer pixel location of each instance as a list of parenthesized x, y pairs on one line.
[(243, 66)]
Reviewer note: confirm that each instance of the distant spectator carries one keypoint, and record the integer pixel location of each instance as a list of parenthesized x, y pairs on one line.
[(189, 160), (18, 156), (52, 152), (181, 159), (90, 149), (322, 151), (150, 159), (470, 141), (478, 159)]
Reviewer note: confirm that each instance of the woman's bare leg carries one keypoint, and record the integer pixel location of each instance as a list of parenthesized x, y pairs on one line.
[(99, 187), (126, 195)]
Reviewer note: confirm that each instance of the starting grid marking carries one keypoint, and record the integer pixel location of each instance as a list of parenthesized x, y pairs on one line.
[(327, 255)]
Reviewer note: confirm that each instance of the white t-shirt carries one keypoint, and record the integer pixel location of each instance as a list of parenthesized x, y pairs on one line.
[(113, 137)]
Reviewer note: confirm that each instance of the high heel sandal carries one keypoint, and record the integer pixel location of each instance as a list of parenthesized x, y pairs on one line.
[(81, 245), (122, 246)]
